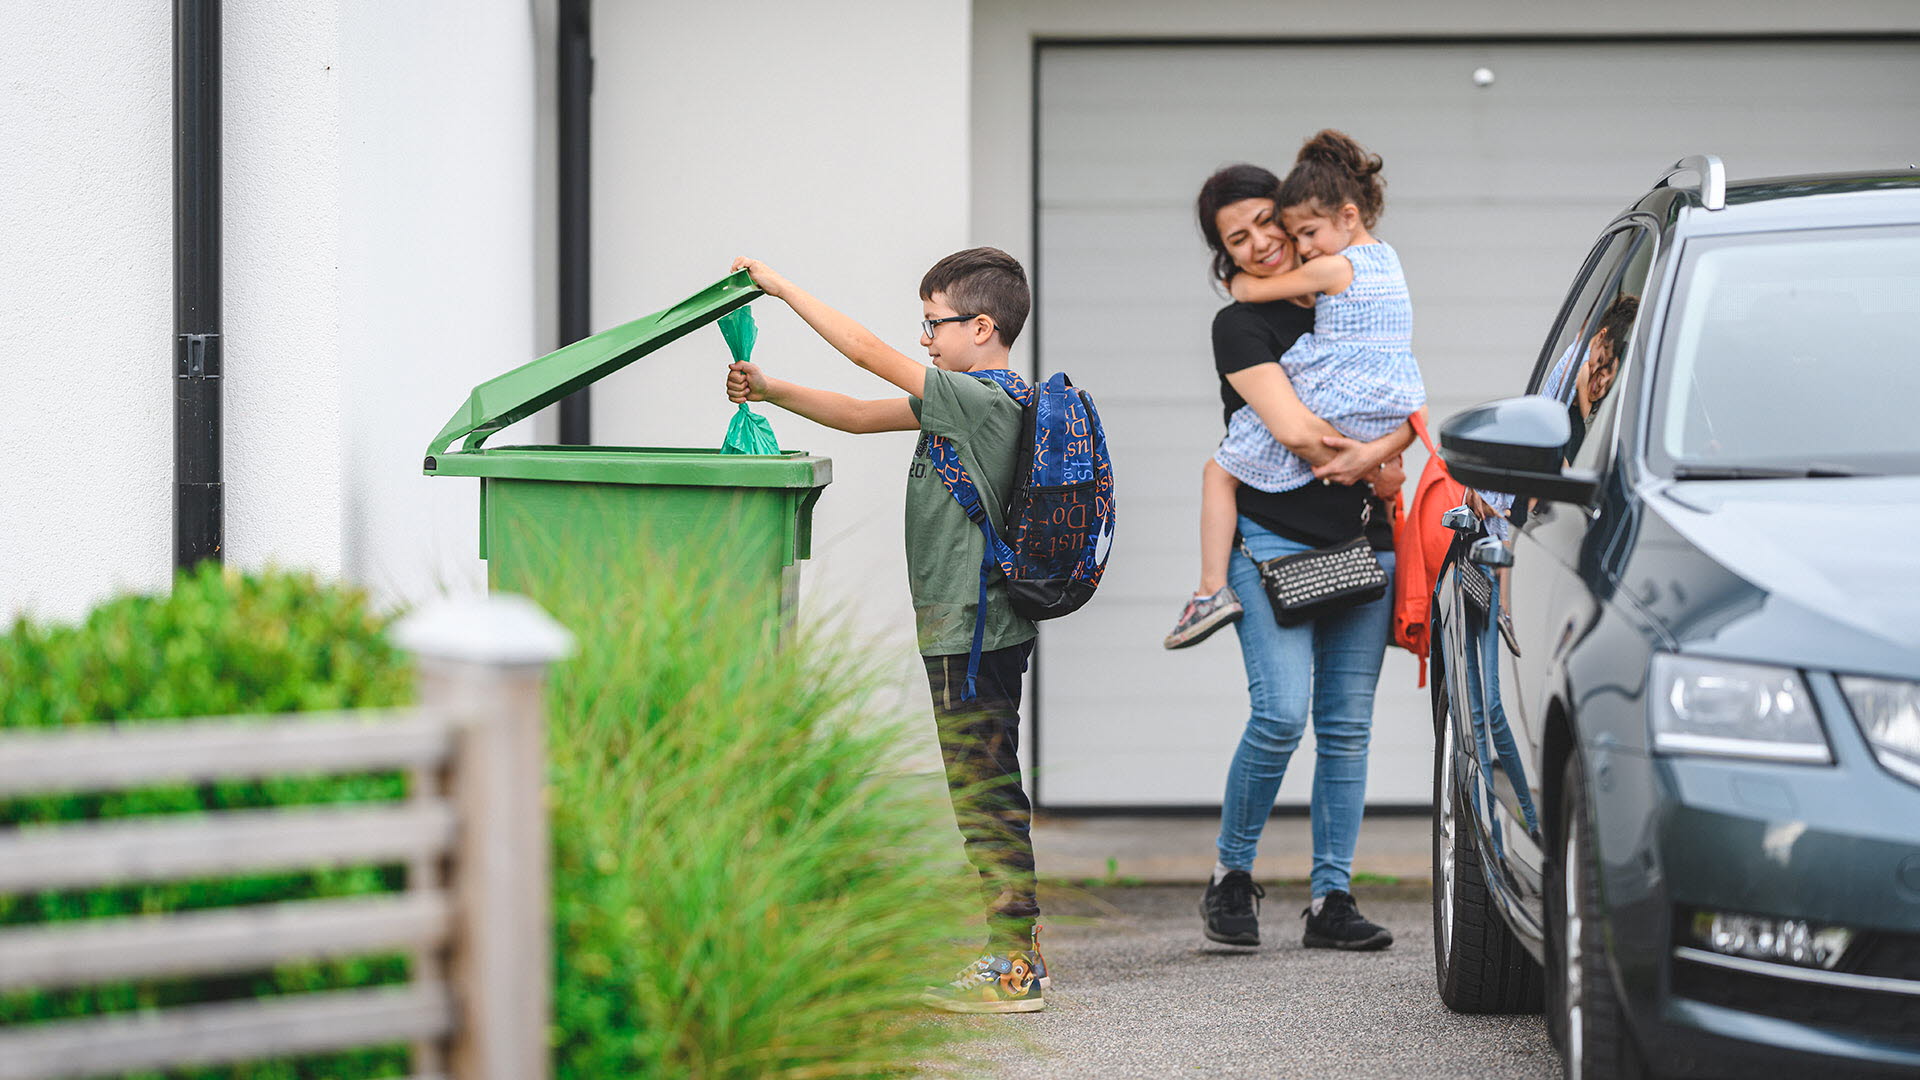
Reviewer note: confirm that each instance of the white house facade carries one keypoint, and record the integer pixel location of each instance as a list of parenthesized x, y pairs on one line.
[(389, 223)]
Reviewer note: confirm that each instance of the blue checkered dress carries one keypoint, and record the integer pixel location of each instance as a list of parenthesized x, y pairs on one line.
[(1355, 370)]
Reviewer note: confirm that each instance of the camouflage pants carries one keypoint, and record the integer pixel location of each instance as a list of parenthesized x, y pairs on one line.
[(980, 743)]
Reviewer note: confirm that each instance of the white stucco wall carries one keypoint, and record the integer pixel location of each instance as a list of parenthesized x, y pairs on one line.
[(437, 267), (829, 139), (282, 216), (379, 260), (85, 305), (86, 332)]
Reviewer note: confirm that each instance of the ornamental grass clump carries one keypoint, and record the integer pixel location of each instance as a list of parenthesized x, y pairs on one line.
[(745, 885)]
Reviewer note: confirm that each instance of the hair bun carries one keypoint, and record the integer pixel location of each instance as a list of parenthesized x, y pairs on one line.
[(1338, 148), (1332, 169)]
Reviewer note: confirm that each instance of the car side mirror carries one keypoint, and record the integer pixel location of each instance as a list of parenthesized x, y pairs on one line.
[(1490, 551), (1515, 446)]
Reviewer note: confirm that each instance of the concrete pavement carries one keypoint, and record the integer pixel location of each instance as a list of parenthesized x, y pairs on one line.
[(1138, 992)]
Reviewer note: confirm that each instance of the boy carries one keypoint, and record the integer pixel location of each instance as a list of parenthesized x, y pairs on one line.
[(974, 304)]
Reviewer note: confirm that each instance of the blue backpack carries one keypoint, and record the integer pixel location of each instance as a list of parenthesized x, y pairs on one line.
[(1060, 511)]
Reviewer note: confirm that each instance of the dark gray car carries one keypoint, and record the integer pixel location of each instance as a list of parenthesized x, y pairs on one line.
[(1677, 697)]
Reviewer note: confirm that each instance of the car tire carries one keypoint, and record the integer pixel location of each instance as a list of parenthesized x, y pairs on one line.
[(1481, 966), (1589, 1024)]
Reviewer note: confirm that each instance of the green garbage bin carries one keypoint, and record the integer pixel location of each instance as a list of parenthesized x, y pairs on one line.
[(744, 520)]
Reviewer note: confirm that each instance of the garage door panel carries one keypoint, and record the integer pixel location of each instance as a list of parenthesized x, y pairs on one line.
[(1670, 94), (1127, 756), (1494, 197), (1162, 298)]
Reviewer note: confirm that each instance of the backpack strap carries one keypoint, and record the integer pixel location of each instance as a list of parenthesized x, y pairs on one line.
[(994, 554), (1419, 422)]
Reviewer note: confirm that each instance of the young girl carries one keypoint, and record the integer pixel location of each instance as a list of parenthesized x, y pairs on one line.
[(1355, 369)]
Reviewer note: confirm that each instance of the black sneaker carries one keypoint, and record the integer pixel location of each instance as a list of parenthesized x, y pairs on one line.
[(1341, 926), (1230, 910)]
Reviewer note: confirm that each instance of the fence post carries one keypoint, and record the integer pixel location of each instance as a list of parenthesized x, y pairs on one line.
[(483, 664)]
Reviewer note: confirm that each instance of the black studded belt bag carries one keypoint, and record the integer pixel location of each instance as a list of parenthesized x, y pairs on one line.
[(1476, 587), (1308, 584)]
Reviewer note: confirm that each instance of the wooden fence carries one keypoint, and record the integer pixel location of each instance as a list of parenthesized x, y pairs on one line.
[(472, 832)]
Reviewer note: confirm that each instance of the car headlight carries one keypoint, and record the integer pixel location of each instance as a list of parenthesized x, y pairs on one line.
[(1702, 706), (1889, 715)]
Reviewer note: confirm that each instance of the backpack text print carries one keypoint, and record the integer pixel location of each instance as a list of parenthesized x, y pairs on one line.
[(1060, 513)]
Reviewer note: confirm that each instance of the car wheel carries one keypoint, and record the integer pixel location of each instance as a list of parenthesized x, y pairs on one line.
[(1589, 1024), (1481, 965)]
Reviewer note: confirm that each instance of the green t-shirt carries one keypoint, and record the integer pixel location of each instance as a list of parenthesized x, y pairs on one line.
[(943, 547)]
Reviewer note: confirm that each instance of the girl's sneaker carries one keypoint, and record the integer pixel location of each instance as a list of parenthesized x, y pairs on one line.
[(1040, 962), (1001, 983), (1204, 615)]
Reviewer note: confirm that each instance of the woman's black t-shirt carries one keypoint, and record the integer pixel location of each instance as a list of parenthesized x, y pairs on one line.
[(1316, 514)]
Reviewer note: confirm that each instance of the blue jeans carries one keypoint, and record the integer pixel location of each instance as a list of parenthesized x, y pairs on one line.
[(1330, 667), (1492, 735)]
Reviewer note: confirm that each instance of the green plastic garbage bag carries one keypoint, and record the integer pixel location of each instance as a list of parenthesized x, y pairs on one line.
[(749, 433)]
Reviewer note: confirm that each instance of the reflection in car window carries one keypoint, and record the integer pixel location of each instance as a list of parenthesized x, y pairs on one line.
[(1599, 372), (1592, 402), (1557, 358), (1794, 351)]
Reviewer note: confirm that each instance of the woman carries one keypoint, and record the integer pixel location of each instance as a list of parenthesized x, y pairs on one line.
[(1326, 669)]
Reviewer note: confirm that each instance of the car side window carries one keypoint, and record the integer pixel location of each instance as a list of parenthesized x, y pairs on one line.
[(1556, 357), (1592, 405)]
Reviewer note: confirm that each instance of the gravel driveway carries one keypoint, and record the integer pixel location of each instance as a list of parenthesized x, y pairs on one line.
[(1139, 993)]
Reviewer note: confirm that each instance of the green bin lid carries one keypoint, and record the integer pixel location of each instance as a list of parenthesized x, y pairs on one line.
[(510, 398), (646, 465)]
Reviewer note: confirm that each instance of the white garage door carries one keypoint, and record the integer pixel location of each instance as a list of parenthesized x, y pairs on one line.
[(1494, 194)]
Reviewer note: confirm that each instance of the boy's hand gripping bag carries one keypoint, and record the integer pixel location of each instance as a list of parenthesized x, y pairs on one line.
[(749, 433)]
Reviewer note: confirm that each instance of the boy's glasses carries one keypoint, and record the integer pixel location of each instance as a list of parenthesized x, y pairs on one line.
[(927, 325)]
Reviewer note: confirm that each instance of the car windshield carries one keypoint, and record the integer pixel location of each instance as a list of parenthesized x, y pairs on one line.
[(1793, 354)]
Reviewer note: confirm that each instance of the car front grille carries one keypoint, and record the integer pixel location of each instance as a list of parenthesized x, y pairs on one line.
[(1894, 1017)]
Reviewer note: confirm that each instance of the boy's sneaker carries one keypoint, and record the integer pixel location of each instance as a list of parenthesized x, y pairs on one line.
[(1204, 615), (1001, 983), (1341, 926), (1230, 909)]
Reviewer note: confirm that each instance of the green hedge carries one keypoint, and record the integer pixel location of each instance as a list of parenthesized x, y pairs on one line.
[(220, 643)]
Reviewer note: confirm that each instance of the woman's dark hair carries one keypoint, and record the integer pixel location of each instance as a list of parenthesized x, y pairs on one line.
[(1617, 320), (1224, 188), (1332, 170)]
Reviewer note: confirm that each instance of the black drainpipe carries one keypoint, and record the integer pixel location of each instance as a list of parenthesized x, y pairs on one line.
[(576, 132), (199, 497)]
